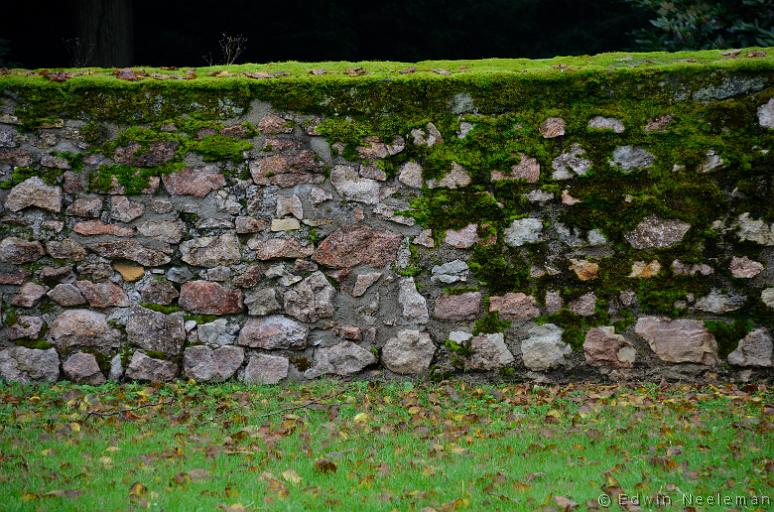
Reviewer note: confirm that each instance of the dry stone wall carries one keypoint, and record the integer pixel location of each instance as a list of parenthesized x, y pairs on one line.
[(605, 235)]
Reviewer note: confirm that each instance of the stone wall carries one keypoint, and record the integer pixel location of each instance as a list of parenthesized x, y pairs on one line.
[(599, 227)]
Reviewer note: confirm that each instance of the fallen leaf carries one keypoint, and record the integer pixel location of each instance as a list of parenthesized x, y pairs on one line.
[(291, 476), (325, 466)]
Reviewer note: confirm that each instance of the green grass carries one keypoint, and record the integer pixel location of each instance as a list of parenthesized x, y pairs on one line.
[(367, 446), (438, 68)]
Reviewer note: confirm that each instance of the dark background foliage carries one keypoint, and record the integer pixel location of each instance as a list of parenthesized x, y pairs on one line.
[(183, 32)]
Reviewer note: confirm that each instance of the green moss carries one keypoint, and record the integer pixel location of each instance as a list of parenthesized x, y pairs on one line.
[(200, 319), (728, 333), (19, 174), (40, 344), (489, 323), (162, 308), (499, 267), (134, 180), (220, 147)]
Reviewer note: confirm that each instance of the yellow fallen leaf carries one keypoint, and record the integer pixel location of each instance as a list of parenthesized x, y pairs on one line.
[(75, 427), (361, 418), (291, 476)]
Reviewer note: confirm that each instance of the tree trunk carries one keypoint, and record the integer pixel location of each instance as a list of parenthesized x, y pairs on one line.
[(106, 32)]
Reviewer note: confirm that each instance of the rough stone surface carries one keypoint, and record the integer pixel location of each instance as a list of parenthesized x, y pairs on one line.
[(754, 230), (208, 298), (767, 297), (196, 182), (17, 251), (488, 352), (21, 364), (457, 177), (358, 245), (514, 306), (766, 114), (631, 158), (410, 352), (413, 304), (352, 187), (204, 364), (26, 326), (97, 228), (155, 332), (28, 295), (719, 303), (463, 238), (218, 332), (345, 358), (311, 299), (34, 192), (463, 306), (142, 367), (528, 169), (279, 248), (645, 270), (266, 369), (544, 349), (552, 127), (273, 332), (66, 249), (606, 123), (363, 282), (523, 231), (83, 369), (159, 292), (83, 328), (103, 295), (585, 305), (130, 250), (262, 302), (124, 209), (211, 251), (66, 294), (450, 272), (654, 232), (570, 163), (171, 232), (603, 347), (678, 341), (744, 267), (87, 207), (411, 174), (585, 270), (755, 349)]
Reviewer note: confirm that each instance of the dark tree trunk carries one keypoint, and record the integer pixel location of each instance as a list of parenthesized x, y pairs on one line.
[(106, 31)]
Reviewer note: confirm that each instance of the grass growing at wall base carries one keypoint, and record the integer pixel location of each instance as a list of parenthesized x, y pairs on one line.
[(369, 446)]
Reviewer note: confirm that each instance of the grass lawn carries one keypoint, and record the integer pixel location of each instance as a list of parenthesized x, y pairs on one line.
[(397, 446)]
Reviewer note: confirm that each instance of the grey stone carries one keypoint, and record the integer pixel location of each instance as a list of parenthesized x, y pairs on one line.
[(116, 368), (34, 192), (410, 352), (544, 349), (28, 295), (570, 163), (767, 297), (83, 369), (266, 369), (631, 158), (26, 326), (167, 231), (273, 332), (159, 291), (744, 267), (311, 299), (66, 294), (755, 349), (678, 341), (290, 206), (463, 238), (766, 114), (130, 250), (606, 123), (411, 174), (345, 358), (67, 249), (585, 305), (749, 229), (457, 177), (17, 251), (413, 304), (204, 364), (603, 347), (718, 303), (156, 332), (211, 251), (488, 352), (450, 272), (363, 282), (179, 274), (429, 137), (85, 207), (523, 231), (352, 187), (7, 136), (712, 162), (142, 367), (21, 364), (262, 302), (654, 232), (124, 209), (218, 332)]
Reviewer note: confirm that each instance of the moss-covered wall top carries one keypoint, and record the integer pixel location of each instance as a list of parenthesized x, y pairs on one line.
[(581, 217)]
